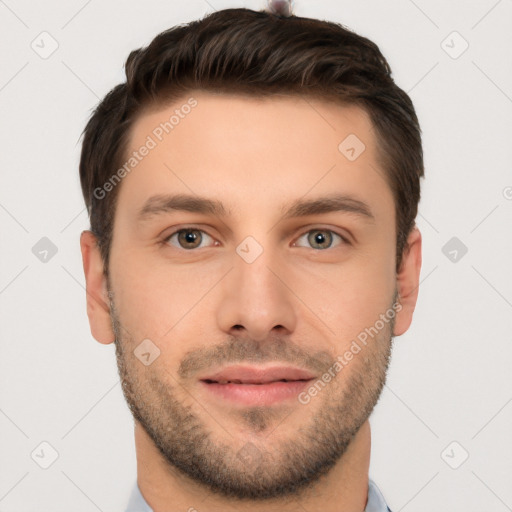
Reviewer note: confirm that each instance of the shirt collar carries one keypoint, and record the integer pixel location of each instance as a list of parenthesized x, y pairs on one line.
[(376, 502)]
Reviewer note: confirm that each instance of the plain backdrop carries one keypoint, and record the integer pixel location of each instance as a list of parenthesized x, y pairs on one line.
[(441, 432)]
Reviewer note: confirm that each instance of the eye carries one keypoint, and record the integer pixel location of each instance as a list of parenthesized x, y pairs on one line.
[(187, 238), (322, 238)]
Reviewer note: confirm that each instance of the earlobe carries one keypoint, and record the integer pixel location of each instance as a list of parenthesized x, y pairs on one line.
[(98, 303), (408, 282)]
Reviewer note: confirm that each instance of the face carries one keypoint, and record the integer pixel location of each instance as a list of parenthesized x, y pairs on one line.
[(248, 248)]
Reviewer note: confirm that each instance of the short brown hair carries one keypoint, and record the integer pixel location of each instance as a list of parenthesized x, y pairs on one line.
[(241, 51)]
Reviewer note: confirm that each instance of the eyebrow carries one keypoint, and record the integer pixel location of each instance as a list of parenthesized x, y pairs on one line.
[(161, 204), (328, 204)]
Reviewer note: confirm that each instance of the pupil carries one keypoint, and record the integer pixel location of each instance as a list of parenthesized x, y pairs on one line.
[(320, 238), (188, 237)]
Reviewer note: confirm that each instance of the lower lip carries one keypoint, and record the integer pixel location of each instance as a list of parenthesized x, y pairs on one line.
[(257, 394)]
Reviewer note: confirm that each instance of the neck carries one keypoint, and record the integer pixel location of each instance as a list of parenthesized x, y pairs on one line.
[(343, 489)]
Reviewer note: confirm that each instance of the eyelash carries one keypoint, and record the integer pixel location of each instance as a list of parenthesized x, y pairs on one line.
[(167, 239)]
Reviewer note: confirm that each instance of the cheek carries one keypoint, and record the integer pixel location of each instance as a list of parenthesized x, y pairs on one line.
[(157, 300), (348, 297)]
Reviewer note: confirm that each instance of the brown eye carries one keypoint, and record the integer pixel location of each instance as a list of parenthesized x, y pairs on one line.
[(189, 238)]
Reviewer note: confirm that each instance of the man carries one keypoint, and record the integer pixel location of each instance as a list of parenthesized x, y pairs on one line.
[(252, 190)]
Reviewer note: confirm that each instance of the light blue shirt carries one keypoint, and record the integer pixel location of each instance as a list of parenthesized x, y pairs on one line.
[(376, 502)]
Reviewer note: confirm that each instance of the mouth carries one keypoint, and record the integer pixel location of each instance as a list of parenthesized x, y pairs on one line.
[(238, 381), (248, 385)]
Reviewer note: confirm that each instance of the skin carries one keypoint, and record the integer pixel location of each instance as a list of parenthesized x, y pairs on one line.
[(297, 302)]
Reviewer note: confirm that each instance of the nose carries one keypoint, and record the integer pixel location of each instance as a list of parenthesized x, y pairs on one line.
[(256, 298)]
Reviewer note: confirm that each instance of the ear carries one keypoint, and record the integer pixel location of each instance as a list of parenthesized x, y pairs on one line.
[(408, 278), (98, 304)]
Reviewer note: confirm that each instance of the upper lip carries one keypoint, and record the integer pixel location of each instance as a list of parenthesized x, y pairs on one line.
[(258, 375)]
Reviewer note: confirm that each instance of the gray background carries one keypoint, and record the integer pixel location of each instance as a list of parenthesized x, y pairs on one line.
[(449, 388)]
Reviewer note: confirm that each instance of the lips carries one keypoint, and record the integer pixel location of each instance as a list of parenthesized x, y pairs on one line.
[(257, 375)]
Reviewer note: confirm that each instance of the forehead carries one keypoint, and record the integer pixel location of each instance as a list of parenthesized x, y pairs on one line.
[(238, 116), (249, 149)]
